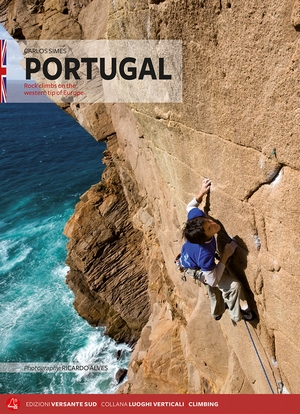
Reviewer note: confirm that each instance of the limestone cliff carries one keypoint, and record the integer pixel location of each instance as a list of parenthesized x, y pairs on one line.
[(238, 125)]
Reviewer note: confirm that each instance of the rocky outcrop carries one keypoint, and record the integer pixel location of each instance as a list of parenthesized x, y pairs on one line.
[(238, 125), (106, 257)]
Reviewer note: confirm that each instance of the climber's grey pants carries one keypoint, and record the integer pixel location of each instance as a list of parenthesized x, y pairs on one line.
[(227, 291)]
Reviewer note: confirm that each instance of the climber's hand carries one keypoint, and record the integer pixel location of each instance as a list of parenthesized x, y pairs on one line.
[(206, 183), (229, 249)]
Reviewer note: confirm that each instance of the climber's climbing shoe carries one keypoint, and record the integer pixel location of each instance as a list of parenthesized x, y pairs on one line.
[(248, 314)]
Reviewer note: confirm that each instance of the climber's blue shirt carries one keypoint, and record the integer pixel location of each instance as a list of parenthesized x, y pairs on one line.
[(198, 255)]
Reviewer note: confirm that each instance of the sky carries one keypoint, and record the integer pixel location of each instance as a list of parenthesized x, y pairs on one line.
[(14, 56)]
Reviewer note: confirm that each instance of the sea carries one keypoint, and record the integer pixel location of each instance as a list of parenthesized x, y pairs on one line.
[(47, 161)]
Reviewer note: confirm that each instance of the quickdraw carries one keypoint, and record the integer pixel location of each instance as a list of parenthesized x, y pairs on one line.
[(179, 267)]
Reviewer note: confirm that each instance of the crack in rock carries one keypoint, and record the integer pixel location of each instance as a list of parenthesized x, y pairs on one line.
[(273, 176)]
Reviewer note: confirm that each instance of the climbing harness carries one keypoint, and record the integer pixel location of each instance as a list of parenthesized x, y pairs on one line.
[(263, 368), (196, 274)]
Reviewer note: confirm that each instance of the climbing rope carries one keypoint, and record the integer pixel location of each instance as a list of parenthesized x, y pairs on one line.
[(262, 365)]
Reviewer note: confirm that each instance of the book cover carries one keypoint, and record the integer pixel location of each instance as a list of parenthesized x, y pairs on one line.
[(230, 115)]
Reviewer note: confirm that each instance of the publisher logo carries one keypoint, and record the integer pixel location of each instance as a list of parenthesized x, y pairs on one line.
[(13, 404)]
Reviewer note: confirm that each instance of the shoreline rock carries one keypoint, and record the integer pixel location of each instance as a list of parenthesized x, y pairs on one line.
[(107, 272)]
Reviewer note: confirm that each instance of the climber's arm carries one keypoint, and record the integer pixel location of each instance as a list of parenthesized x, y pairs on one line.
[(197, 200), (214, 276)]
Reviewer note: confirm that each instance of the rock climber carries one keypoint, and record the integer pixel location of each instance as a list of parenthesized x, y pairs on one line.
[(198, 259)]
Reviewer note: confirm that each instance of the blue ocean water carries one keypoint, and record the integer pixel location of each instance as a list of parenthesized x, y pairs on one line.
[(47, 162)]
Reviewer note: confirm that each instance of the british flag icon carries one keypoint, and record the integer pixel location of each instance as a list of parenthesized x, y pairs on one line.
[(3, 57)]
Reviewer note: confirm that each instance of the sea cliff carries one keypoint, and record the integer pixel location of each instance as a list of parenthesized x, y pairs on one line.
[(238, 124)]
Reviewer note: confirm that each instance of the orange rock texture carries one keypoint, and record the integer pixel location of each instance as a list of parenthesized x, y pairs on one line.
[(238, 124)]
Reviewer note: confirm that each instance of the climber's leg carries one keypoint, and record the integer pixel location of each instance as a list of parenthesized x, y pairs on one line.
[(231, 291), (217, 305)]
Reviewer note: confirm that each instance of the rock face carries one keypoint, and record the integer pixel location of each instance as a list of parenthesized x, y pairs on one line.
[(102, 240), (238, 125)]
